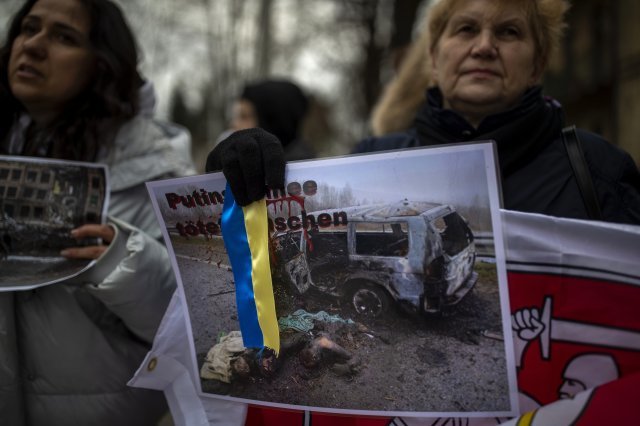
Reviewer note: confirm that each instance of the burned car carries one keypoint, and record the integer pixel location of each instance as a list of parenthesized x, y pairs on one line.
[(418, 255)]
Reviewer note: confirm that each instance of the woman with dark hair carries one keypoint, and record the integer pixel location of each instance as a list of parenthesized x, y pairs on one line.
[(105, 91), (70, 89)]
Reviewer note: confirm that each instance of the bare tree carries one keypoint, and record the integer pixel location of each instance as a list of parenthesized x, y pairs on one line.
[(263, 50)]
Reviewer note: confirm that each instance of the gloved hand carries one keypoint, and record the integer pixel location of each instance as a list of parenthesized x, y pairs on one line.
[(249, 159)]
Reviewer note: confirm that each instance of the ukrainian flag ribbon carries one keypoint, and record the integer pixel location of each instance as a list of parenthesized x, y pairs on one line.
[(246, 239)]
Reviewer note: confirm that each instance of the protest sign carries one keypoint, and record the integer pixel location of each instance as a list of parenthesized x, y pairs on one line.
[(384, 303)]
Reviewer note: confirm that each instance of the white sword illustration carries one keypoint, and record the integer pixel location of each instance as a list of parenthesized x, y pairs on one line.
[(579, 332)]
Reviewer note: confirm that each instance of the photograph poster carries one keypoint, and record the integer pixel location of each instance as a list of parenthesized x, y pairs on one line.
[(41, 201), (389, 285)]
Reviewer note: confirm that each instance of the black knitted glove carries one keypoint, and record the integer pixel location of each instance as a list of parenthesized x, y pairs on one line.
[(249, 159)]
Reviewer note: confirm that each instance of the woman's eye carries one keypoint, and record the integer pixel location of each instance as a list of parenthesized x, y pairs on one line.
[(509, 32), (466, 29), (66, 39), (29, 29)]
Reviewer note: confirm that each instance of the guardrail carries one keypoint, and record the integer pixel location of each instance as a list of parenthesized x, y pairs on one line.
[(484, 244)]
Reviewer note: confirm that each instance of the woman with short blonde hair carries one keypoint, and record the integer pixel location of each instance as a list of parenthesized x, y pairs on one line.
[(482, 61)]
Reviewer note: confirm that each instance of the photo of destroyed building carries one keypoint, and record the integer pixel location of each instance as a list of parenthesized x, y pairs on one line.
[(41, 202)]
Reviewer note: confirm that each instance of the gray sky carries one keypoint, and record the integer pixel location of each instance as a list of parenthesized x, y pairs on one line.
[(455, 175)]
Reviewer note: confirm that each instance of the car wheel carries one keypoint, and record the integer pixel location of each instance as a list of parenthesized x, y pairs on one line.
[(370, 301)]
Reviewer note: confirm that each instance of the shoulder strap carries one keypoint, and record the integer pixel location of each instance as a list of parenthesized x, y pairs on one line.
[(581, 172)]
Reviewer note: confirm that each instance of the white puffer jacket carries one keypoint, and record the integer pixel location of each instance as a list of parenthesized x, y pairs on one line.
[(67, 350)]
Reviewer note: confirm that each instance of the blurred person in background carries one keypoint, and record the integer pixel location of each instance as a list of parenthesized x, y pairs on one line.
[(278, 106), (70, 90)]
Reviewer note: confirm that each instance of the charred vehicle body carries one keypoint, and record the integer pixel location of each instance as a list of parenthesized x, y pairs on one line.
[(418, 255)]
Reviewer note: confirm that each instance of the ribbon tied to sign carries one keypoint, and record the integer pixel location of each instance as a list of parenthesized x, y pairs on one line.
[(246, 239)]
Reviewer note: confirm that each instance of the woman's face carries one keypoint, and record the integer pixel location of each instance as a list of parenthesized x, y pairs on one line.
[(51, 60), (485, 58)]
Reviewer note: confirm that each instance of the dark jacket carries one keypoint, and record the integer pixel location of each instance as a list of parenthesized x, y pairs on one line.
[(535, 169)]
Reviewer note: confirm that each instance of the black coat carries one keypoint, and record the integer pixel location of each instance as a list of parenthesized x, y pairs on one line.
[(539, 178)]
